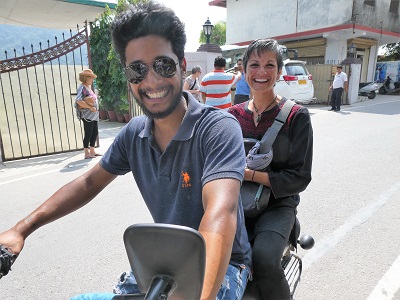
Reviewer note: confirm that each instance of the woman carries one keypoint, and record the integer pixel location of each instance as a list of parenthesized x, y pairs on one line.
[(191, 84), (86, 101), (289, 172)]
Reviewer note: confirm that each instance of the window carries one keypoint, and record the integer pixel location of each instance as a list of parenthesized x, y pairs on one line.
[(394, 7), (369, 2)]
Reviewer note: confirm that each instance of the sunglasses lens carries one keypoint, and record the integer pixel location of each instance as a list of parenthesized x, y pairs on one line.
[(136, 72), (166, 67)]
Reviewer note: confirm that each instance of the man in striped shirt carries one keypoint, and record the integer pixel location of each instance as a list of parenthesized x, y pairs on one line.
[(216, 86)]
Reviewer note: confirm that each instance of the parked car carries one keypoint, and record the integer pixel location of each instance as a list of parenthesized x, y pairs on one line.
[(295, 83)]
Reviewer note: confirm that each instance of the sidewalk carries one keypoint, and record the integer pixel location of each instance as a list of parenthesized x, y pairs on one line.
[(11, 169)]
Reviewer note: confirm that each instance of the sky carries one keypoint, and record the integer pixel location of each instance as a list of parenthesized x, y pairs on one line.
[(194, 14)]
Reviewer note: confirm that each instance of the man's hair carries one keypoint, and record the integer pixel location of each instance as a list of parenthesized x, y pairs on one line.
[(149, 18), (196, 69), (260, 46), (239, 59), (219, 61), (340, 67)]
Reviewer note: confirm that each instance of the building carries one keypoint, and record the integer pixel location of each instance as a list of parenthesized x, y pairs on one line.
[(322, 31)]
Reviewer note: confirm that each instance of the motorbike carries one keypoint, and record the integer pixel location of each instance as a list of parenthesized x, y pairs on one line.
[(389, 88), (368, 89), (168, 261)]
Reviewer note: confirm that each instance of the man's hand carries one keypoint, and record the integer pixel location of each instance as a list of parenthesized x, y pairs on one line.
[(12, 240)]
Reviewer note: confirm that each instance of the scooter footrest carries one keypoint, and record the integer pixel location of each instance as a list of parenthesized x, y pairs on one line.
[(292, 267)]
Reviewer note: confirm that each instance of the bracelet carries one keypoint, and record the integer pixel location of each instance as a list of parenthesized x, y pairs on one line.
[(252, 177)]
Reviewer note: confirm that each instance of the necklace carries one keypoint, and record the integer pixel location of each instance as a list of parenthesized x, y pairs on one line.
[(258, 118)]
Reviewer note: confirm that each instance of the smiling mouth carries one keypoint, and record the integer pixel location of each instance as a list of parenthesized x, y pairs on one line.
[(157, 95), (261, 80)]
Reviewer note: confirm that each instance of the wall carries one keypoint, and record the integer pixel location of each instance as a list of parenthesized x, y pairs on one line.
[(387, 68)]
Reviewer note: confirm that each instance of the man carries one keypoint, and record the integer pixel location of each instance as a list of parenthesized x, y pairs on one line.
[(216, 86), (188, 171), (242, 93), (339, 82)]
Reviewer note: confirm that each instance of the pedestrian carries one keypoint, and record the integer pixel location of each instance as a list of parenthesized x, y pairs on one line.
[(188, 170), (216, 86), (288, 174), (242, 93), (192, 82), (339, 83), (88, 112)]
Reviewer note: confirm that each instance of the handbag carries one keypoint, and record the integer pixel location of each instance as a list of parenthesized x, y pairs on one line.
[(255, 196)]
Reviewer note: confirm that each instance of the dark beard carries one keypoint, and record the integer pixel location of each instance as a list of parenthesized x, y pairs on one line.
[(162, 114)]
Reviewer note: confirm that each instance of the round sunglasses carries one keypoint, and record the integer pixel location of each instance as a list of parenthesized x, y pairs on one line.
[(137, 71)]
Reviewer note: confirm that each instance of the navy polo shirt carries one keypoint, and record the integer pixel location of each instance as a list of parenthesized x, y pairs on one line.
[(207, 146)]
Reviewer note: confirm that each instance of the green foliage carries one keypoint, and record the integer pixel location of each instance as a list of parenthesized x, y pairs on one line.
[(111, 81), (218, 34), (392, 52)]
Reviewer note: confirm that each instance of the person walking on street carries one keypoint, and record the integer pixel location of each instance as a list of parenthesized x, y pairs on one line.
[(192, 83), (216, 85), (339, 83), (242, 93), (187, 169)]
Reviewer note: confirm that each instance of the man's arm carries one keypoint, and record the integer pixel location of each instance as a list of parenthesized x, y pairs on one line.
[(218, 227), (203, 97), (67, 199), (346, 86)]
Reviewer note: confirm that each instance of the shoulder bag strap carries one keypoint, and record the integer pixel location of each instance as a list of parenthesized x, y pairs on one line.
[(269, 137), (194, 83)]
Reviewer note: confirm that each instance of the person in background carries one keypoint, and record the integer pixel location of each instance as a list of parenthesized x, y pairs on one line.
[(242, 92), (339, 83), (88, 112), (289, 172), (192, 83), (187, 169), (216, 86)]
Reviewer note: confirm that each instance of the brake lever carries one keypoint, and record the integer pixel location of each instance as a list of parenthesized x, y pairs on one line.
[(7, 258)]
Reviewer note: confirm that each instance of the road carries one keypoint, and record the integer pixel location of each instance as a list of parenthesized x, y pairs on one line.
[(351, 208)]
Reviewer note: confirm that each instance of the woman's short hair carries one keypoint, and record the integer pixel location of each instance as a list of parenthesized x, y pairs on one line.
[(196, 69), (260, 46)]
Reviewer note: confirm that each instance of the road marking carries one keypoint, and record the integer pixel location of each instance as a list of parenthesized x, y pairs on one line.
[(329, 242), (389, 284), (72, 165)]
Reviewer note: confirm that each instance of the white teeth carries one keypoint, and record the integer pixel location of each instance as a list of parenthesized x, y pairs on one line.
[(261, 80), (159, 94)]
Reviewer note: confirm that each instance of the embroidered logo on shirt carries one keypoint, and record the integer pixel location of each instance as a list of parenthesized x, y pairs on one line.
[(186, 180)]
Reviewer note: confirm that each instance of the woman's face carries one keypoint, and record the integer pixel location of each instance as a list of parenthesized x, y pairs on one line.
[(262, 71)]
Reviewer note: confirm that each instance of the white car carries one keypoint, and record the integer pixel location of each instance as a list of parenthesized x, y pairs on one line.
[(295, 82)]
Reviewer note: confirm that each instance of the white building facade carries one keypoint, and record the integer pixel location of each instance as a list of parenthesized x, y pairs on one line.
[(322, 31)]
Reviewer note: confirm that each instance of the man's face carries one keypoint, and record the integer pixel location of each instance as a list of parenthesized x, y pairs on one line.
[(240, 65), (158, 96), (339, 70)]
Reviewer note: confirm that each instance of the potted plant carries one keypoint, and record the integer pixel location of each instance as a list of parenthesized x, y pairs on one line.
[(122, 108)]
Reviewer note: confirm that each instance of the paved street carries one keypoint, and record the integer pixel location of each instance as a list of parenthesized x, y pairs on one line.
[(351, 208)]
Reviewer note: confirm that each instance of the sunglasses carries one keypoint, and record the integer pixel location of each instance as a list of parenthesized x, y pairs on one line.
[(137, 71)]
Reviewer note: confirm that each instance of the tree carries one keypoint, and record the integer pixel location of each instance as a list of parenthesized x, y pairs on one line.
[(392, 52), (111, 81), (218, 34)]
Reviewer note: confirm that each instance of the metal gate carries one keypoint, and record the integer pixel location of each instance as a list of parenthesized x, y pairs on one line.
[(37, 114)]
